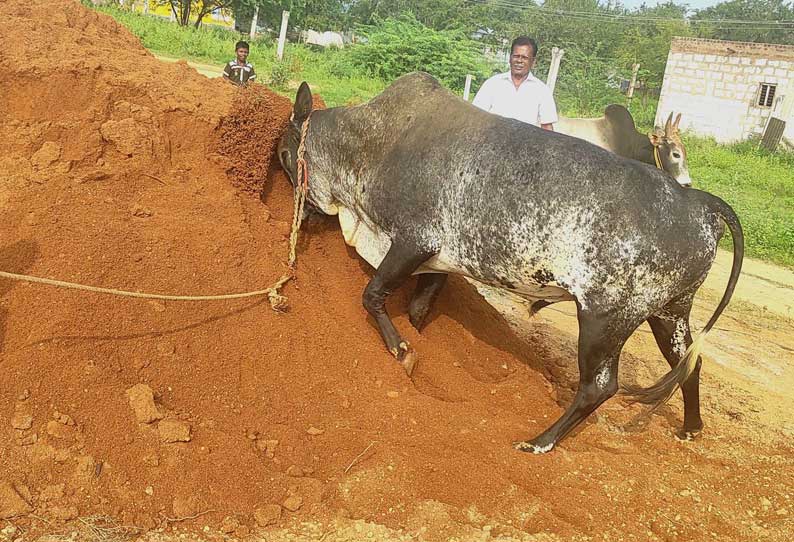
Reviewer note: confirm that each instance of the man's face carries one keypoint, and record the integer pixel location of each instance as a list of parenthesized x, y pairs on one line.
[(242, 54), (521, 60)]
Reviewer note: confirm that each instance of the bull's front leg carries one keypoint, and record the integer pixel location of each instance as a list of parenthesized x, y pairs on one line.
[(402, 259)]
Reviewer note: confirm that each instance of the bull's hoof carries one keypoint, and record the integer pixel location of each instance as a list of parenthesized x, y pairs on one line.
[(685, 435), (406, 356), (409, 362), (417, 320), (528, 446)]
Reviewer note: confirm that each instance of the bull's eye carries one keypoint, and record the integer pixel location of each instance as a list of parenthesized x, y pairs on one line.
[(676, 155)]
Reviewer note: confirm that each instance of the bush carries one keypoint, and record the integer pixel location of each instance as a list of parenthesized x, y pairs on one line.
[(587, 84), (283, 70), (394, 47)]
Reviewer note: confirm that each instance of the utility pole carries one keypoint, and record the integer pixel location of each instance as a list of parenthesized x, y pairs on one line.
[(634, 69)]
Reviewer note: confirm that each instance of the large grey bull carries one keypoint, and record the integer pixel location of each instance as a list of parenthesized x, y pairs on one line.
[(425, 183), (616, 132)]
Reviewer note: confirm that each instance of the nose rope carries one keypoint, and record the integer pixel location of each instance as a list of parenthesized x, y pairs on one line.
[(657, 158), (301, 191)]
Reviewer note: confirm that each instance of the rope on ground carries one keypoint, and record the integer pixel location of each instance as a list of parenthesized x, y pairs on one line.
[(277, 301), (74, 286)]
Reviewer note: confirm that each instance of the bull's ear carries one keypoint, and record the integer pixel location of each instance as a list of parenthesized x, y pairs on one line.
[(303, 103), (668, 126), (656, 136)]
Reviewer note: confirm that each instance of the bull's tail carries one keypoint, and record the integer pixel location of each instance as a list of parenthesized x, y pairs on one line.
[(660, 392)]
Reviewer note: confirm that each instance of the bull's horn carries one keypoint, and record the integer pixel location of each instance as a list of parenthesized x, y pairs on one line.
[(668, 126), (677, 121)]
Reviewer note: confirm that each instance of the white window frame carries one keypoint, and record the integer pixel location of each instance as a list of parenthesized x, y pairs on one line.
[(769, 86)]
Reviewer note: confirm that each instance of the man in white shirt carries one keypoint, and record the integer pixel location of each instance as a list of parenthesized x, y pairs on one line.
[(518, 94)]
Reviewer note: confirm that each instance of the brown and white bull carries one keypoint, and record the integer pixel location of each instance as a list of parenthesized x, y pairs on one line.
[(616, 132)]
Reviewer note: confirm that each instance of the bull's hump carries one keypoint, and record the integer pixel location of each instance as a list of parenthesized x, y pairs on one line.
[(410, 92)]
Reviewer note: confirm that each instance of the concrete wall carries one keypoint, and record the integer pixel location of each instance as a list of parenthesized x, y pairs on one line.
[(714, 84)]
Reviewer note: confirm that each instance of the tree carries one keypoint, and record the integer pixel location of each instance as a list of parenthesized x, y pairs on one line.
[(777, 12), (184, 9), (319, 14), (648, 43)]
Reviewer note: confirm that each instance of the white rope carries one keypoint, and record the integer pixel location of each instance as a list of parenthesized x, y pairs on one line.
[(75, 286)]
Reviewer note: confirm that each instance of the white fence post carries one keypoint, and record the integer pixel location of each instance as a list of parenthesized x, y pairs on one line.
[(634, 70), (282, 37), (467, 88), (252, 33), (554, 69)]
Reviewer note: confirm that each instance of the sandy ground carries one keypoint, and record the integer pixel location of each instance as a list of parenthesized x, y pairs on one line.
[(208, 70)]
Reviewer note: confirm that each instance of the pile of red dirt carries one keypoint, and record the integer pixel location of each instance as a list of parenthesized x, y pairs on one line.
[(227, 416), (248, 133)]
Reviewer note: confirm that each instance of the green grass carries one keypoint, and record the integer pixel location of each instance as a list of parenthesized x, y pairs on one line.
[(757, 184), (327, 71)]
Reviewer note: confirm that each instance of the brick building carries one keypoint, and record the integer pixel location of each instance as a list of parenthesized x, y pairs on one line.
[(728, 89)]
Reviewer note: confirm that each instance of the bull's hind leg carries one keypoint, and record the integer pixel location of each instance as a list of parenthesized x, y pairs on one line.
[(671, 329), (400, 262), (428, 287), (601, 339)]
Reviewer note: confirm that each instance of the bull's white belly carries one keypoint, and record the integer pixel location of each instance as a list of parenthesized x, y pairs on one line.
[(372, 245)]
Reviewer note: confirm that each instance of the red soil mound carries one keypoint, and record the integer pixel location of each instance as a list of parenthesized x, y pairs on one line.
[(111, 176), (247, 135)]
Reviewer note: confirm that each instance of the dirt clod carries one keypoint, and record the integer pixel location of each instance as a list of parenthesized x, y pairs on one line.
[(267, 515), (22, 421), (63, 513), (141, 399), (293, 503), (52, 493), (174, 431), (11, 502)]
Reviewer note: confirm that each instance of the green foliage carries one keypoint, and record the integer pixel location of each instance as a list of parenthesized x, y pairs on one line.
[(587, 84), (216, 46), (754, 10), (212, 44), (395, 47), (333, 75), (317, 14), (438, 14), (759, 185), (282, 70)]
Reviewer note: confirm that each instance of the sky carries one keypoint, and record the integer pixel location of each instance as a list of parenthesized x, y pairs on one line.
[(693, 4)]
